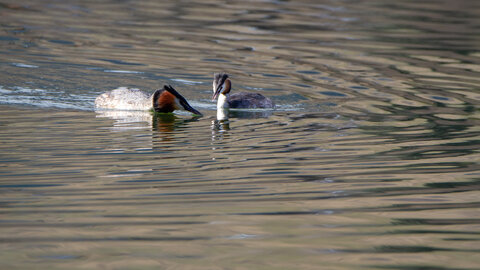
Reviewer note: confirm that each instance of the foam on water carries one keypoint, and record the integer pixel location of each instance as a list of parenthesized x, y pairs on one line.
[(45, 98)]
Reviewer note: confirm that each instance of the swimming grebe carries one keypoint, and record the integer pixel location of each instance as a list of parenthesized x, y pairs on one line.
[(242, 100), (163, 100)]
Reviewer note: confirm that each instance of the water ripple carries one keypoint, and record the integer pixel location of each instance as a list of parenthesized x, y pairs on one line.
[(369, 161)]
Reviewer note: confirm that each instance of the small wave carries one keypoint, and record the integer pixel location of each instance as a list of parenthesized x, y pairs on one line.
[(5, 91), (187, 81), (22, 65), (203, 105), (122, 71)]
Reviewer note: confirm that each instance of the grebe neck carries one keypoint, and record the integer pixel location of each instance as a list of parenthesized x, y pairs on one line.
[(222, 102)]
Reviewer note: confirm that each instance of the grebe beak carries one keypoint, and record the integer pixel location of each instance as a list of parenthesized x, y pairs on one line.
[(217, 92), (182, 100), (189, 108)]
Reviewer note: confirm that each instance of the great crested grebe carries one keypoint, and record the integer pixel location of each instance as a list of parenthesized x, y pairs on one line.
[(242, 100), (163, 100)]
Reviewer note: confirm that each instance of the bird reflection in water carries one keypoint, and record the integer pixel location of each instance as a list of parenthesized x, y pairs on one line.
[(126, 120), (221, 125), (166, 123), (162, 124)]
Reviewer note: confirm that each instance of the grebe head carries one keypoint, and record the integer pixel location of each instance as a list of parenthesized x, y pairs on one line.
[(168, 99), (221, 84)]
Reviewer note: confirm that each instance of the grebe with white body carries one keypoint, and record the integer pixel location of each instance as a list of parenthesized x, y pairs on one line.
[(164, 100), (243, 100)]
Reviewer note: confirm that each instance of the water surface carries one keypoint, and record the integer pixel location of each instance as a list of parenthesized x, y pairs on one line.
[(371, 160)]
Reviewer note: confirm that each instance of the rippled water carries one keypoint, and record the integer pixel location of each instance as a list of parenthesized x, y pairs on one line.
[(371, 160)]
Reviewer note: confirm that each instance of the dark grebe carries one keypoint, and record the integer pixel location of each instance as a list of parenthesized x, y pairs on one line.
[(242, 100)]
